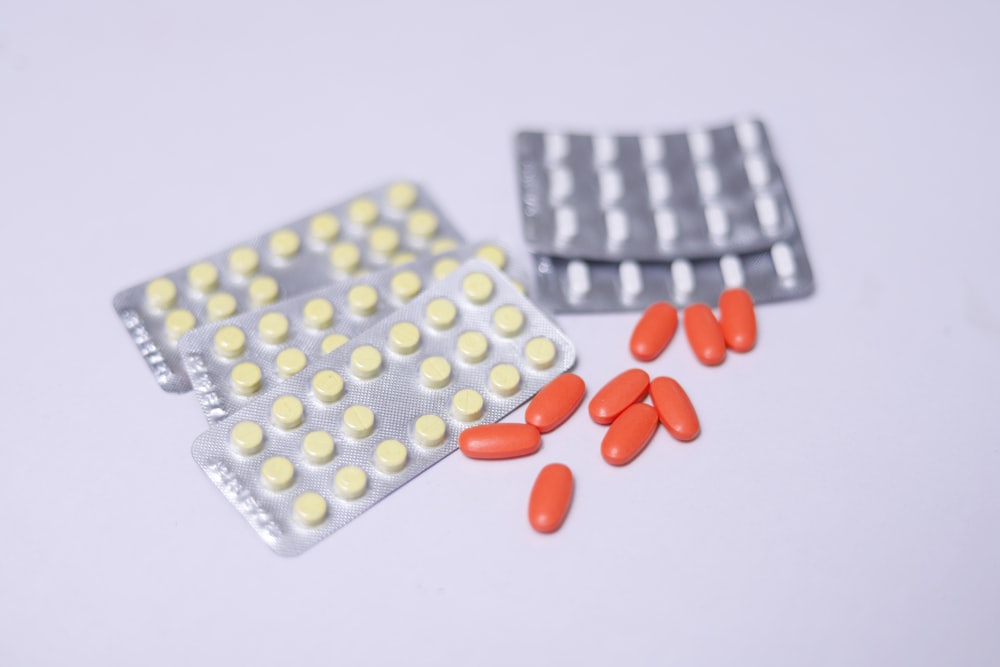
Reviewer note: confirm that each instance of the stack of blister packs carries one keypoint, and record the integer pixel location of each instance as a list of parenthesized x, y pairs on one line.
[(620, 222)]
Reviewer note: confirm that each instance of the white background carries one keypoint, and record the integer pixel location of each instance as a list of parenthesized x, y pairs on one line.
[(842, 505)]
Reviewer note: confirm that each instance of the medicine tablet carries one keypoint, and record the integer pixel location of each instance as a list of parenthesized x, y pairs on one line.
[(467, 405), (366, 362), (318, 447), (405, 285), (263, 290), (472, 347), (401, 195), (429, 430), (653, 331), (404, 338), (179, 322), (324, 227), (629, 434), (390, 456), (540, 353), (492, 254), (704, 334), (350, 482), (220, 306), (273, 327), (620, 392), (435, 372), (277, 473), (310, 508), (247, 438), (363, 211), (441, 313), (203, 277), (243, 261), (284, 243), (478, 287), (318, 313), (403, 258), (358, 421), (161, 294), (508, 320), (505, 380), (674, 408), (345, 257), (245, 378), (286, 412), (444, 267), (290, 361), (327, 386), (422, 224), (443, 245), (555, 402), (737, 319), (383, 240), (362, 300), (332, 342), (550, 498), (499, 441), (230, 341)]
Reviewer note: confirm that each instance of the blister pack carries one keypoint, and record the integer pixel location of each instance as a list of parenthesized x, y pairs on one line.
[(388, 224), (701, 193), (316, 451), (232, 361), (572, 285)]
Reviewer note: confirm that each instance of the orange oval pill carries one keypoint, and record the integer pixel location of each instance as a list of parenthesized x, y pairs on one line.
[(704, 334), (653, 332), (629, 434), (499, 441), (622, 391), (674, 408), (555, 402), (737, 319), (550, 498)]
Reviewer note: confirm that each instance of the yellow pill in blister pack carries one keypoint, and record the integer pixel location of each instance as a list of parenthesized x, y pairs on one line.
[(277, 473), (404, 338), (429, 430), (284, 243), (161, 294), (540, 352), (203, 277), (383, 240), (358, 421), (390, 456), (310, 508), (324, 227), (401, 195), (508, 320), (345, 257), (245, 378), (327, 386), (422, 224), (243, 261), (505, 380), (318, 313), (318, 447), (444, 267), (263, 290), (287, 412), (467, 405), (366, 362), (179, 322), (405, 285), (247, 438), (362, 300), (220, 306), (443, 245), (492, 254), (230, 341), (435, 372), (404, 257), (363, 211), (332, 342), (478, 287), (273, 327), (472, 347), (350, 482), (290, 362), (441, 313)]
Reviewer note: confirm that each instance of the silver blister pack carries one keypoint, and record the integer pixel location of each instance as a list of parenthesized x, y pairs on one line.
[(778, 273), (313, 453), (390, 223), (231, 362), (701, 193)]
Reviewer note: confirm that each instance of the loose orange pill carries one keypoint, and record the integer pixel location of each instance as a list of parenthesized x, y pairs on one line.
[(622, 391), (555, 402), (550, 498), (674, 408), (499, 441), (653, 332), (737, 319), (704, 334), (629, 434)]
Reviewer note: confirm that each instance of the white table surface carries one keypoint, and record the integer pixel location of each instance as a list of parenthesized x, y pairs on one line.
[(842, 504)]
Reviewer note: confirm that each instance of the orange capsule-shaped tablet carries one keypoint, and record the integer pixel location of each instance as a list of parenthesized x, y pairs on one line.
[(622, 391), (674, 408), (555, 402), (550, 498), (704, 334), (653, 332), (499, 441), (737, 319), (629, 434)]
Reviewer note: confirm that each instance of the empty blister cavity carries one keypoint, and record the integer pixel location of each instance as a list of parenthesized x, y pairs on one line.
[(560, 185), (732, 270), (683, 277), (717, 222), (578, 277), (768, 215), (616, 223), (701, 145), (611, 185), (748, 135), (758, 171), (631, 281), (605, 149), (651, 147), (784, 261), (658, 183), (556, 148)]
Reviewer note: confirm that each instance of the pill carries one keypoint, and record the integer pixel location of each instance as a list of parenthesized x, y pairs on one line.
[(505, 380), (443, 245), (540, 352), (203, 277), (350, 482), (478, 287), (422, 224), (629, 434), (161, 294), (737, 319), (286, 412), (243, 261), (401, 195), (492, 254), (290, 361), (230, 341), (435, 372), (358, 421), (654, 331), (499, 441), (508, 320), (179, 322), (404, 338), (284, 243), (220, 306), (332, 342), (467, 405), (310, 508), (324, 227), (444, 267), (263, 290), (363, 211), (273, 327), (404, 257), (390, 456), (555, 402), (245, 378), (247, 437), (472, 347), (405, 285), (277, 473), (366, 362), (318, 447), (622, 391), (362, 300), (551, 497), (345, 257), (441, 313), (429, 430), (318, 313), (674, 408), (327, 386), (383, 240), (704, 334)]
